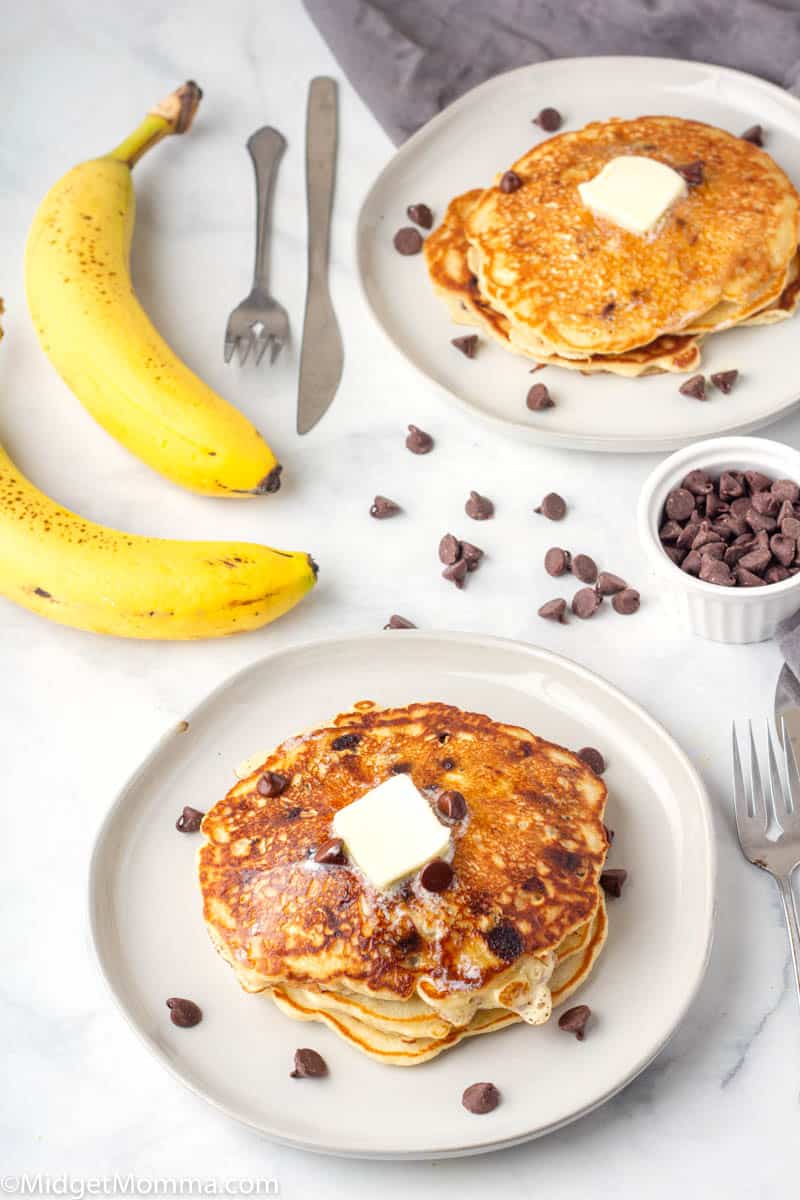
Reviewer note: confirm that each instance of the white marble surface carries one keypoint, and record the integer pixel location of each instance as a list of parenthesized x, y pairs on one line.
[(717, 1113)]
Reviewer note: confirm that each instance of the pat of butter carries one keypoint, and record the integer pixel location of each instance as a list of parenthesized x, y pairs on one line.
[(633, 192), (391, 831)]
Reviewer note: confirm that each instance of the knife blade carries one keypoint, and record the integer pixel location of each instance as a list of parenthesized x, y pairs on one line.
[(787, 706), (322, 354)]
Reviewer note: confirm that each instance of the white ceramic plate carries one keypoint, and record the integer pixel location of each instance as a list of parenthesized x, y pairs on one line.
[(151, 941), (484, 132)]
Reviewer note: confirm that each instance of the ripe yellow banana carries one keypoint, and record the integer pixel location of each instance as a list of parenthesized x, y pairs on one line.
[(104, 346), (78, 573)]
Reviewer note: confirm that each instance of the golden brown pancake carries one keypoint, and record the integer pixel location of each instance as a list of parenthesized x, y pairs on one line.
[(526, 863), (583, 285)]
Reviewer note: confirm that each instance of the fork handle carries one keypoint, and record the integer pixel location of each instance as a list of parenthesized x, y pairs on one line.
[(266, 148), (784, 883)]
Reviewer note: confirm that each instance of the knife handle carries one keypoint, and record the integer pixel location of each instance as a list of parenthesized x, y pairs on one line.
[(321, 138), (266, 147)]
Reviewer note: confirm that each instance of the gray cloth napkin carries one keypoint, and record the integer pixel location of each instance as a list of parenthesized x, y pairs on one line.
[(408, 59)]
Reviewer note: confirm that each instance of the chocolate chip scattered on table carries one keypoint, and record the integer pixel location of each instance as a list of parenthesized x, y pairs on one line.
[(190, 819), (420, 214), (418, 441), (549, 119), (612, 881), (553, 506), (478, 507), (574, 1020), (741, 528), (184, 1013), (539, 398), (467, 344), (407, 240), (382, 507), (480, 1098), (308, 1064), (397, 622)]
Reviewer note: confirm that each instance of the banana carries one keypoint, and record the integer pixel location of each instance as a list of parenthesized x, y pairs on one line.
[(77, 573), (102, 343)]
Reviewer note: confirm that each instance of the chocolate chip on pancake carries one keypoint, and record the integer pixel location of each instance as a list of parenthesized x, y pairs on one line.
[(478, 507), (436, 876), (693, 172), (593, 759), (609, 584), (539, 398), (272, 783), (584, 568), (574, 1020), (549, 119), (451, 804), (509, 182), (694, 387), (308, 1064), (190, 819), (407, 241), (397, 622), (467, 344), (346, 741), (184, 1013), (586, 602), (628, 601), (553, 610), (557, 561), (724, 380), (505, 941), (480, 1098), (400, 768), (420, 214), (382, 507), (612, 881), (418, 441), (553, 506), (331, 853), (754, 134)]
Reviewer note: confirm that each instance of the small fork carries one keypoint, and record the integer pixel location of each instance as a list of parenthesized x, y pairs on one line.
[(756, 808), (260, 321)]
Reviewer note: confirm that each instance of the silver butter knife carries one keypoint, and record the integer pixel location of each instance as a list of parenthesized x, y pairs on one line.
[(787, 705), (322, 355)]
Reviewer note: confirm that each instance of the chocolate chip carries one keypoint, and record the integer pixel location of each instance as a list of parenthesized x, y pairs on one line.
[(754, 134), (790, 526), (447, 764), (756, 560), (672, 552), (694, 387), (407, 241), (627, 602), (786, 490), (670, 531), (609, 585), (714, 550), (449, 549), (539, 398), (693, 172), (534, 884), (184, 1013), (548, 119), (724, 380), (480, 1098), (746, 578), (612, 881), (758, 522), (505, 941), (418, 441), (553, 610), (452, 805), (691, 564), (308, 1065), (420, 214), (574, 1020), (593, 758), (775, 574), (471, 555), (713, 571), (557, 561), (436, 876), (272, 783), (553, 506), (731, 486), (585, 603), (331, 853), (610, 835), (189, 820), (608, 309), (757, 481), (784, 548), (767, 504), (400, 768), (346, 741), (480, 508), (468, 344), (510, 182), (584, 568), (698, 482), (679, 505), (456, 573), (382, 507), (397, 622)]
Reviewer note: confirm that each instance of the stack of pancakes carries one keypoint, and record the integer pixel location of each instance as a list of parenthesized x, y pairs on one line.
[(405, 973), (537, 271)]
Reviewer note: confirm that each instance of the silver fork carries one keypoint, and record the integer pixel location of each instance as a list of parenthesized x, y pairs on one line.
[(260, 321), (755, 807)]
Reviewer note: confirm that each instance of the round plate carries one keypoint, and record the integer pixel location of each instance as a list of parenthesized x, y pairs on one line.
[(151, 942), (483, 133)]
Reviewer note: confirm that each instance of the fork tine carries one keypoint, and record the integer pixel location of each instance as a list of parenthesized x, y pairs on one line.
[(244, 347), (230, 346), (262, 341), (277, 346), (757, 798), (739, 794)]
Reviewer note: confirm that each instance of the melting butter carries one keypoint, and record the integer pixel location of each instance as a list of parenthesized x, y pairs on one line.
[(633, 192)]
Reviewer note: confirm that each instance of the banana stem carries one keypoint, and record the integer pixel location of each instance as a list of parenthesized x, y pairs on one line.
[(173, 115)]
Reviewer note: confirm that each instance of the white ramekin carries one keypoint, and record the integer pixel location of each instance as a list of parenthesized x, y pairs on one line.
[(720, 613)]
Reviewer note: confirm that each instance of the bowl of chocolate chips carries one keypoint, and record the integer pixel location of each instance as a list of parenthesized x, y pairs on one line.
[(720, 522)]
